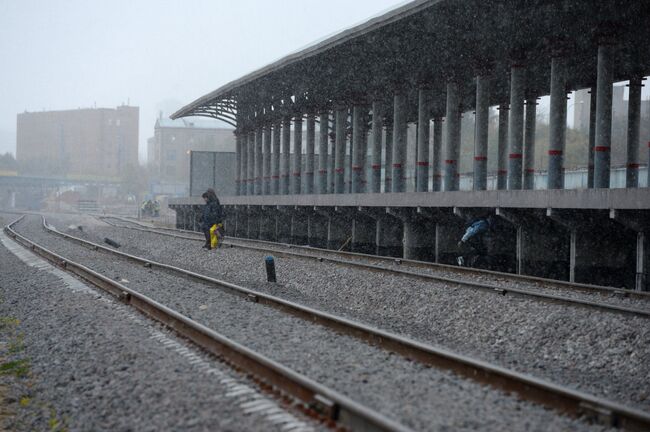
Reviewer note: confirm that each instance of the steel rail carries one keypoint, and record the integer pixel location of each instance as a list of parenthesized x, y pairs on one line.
[(560, 398), (327, 403), (558, 299)]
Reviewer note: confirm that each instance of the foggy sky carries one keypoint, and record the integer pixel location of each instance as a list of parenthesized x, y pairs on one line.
[(67, 54)]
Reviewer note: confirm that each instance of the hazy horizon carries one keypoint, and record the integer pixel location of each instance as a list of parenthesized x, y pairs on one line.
[(157, 56)]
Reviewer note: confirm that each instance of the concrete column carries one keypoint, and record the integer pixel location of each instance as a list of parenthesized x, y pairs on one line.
[(338, 231), (359, 156), (516, 127), (299, 227), (309, 163), (339, 161), (572, 254), (322, 152), (285, 167), (529, 143), (481, 138), (399, 144), (244, 164), (259, 160), (275, 175), (317, 230), (388, 165), (389, 236), (238, 142), (251, 164), (436, 164), (283, 227), (452, 149), (502, 147), (422, 162), (267, 225), (592, 138), (266, 172), (633, 128), (419, 240), (557, 125), (602, 149), (641, 262), (377, 126), (364, 231), (297, 155), (331, 173)]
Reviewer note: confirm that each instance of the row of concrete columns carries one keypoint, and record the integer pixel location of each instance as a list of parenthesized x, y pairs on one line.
[(262, 172)]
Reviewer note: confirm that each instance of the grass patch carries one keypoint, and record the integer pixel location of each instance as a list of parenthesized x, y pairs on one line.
[(18, 368), (24, 401)]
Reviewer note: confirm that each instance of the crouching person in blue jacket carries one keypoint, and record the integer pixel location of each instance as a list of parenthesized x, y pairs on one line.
[(472, 245)]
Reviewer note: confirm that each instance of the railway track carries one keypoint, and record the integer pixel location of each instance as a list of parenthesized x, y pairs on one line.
[(527, 387), (574, 294)]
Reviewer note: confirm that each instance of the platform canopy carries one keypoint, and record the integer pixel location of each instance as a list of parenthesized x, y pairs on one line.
[(427, 43)]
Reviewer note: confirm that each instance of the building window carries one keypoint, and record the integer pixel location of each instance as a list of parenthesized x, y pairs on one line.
[(171, 155), (117, 122)]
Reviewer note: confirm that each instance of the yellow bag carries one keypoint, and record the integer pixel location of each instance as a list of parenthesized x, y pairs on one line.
[(214, 235)]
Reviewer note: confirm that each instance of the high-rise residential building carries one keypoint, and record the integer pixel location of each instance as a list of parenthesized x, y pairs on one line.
[(88, 143)]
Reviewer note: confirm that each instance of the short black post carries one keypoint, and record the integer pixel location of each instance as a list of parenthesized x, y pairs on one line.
[(270, 269)]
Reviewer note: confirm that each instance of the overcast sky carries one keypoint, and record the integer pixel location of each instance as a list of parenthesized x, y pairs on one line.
[(154, 54)]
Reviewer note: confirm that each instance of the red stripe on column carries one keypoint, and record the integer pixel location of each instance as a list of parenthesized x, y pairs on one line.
[(633, 165), (374, 166), (322, 171), (397, 165), (601, 148), (480, 158), (514, 155), (450, 161), (555, 152), (356, 168), (422, 163), (502, 172), (530, 170), (648, 144), (339, 170), (275, 177), (296, 174)]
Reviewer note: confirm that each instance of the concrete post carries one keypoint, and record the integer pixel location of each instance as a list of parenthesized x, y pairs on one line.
[(299, 227), (516, 127), (502, 147), (602, 149), (359, 156), (251, 164), (436, 164), (389, 236), (243, 188), (259, 160), (592, 138), (339, 168), (332, 157), (481, 138), (399, 144), (286, 154), (422, 162), (557, 125), (266, 172), (283, 227), (309, 163), (388, 165), (322, 152), (419, 239), (453, 138), (641, 262), (338, 231), (275, 176), (317, 230), (297, 155), (364, 232), (633, 128), (529, 143), (377, 126), (238, 141)]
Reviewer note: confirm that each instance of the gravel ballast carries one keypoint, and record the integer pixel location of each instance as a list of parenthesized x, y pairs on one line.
[(96, 365), (604, 354), (420, 397)]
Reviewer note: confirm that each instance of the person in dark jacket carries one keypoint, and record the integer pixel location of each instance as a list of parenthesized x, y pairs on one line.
[(212, 215), (472, 245)]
